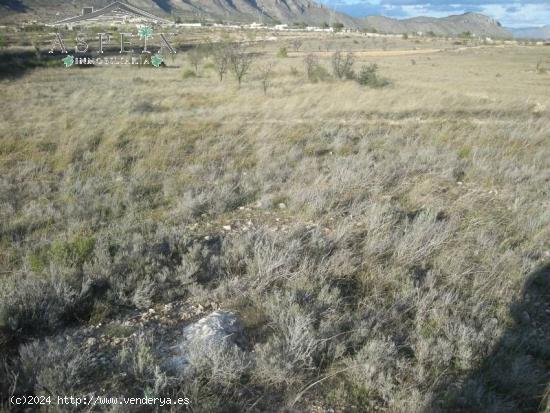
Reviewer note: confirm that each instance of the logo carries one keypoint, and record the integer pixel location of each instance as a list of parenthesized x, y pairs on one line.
[(85, 55)]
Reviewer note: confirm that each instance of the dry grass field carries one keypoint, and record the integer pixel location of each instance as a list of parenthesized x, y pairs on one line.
[(386, 248)]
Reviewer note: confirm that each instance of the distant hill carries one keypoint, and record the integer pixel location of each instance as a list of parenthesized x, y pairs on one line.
[(268, 11), (532, 32), (474, 23)]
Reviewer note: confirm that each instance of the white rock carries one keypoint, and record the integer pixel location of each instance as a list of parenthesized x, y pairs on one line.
[(218, 329)]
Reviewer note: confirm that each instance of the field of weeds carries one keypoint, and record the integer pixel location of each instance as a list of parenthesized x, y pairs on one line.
[(385, 243)]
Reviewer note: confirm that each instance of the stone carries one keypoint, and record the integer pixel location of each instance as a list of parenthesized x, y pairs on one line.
[(219, 328)]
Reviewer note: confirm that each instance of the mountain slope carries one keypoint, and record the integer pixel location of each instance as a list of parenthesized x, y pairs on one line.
[(532, 32), (474, 23), (269, 11)]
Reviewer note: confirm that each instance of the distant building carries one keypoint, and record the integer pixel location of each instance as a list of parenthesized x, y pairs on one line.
[(117, 12)]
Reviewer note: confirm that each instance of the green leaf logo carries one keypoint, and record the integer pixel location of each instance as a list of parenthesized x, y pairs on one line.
[(157, 60), (145, 32), (68, 61)]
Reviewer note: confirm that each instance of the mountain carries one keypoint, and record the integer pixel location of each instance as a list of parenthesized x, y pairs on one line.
[(532, 32), (269, 11), (474, 23)]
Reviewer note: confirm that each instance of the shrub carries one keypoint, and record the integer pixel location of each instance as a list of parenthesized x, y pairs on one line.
[(220, 57), (282, 52), (53, 367), (32, 305), (195, 56), (266, 73), (337, 26), (209, 66), (73, 253), (311, 62), (288, 353), (221, 363), (189, 74), (368, 76), (320, 74), (240, 61), (342, 65), (296, 44)]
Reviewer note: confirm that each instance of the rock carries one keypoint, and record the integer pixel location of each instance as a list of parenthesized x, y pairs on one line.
[(219, 326), (282, 205), (91, 341), (227, 227), (218, 329)]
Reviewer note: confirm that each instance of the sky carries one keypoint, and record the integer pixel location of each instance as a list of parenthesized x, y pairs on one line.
[(509, 13)]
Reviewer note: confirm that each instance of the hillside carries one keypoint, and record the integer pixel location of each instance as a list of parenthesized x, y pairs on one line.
[(478, 24), (532, 32), (271, 11)]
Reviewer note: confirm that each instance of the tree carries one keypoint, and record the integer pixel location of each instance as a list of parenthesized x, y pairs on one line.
[(311, 62), (240, 60), (342, 65), (220, 55), (296, 44), (266, 72), (337, 26), (195, 55)]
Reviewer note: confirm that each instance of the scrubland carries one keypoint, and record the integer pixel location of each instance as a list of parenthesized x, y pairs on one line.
[(386, 248)]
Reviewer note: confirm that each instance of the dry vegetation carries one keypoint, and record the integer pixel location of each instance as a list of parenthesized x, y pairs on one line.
[(376, 241)]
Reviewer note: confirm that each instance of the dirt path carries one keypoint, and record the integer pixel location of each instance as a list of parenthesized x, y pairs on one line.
[(373, 53)]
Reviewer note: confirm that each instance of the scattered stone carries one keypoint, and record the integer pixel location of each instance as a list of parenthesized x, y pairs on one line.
[(282, 205), (227, 227), (91, 341)]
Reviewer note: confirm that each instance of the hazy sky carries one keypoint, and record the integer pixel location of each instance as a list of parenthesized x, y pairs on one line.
[(509, 13)]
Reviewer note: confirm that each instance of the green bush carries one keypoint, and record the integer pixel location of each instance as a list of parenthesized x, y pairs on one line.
[(283, 52), (73, 253), (189, 74), (319, 74), (368, 76)]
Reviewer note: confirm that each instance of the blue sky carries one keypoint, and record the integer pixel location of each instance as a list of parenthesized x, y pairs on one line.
[(509, 13)]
